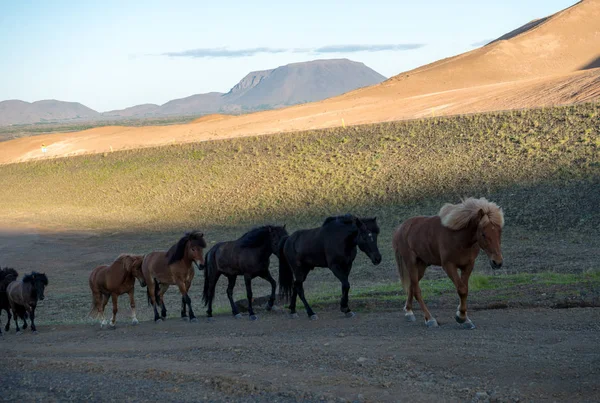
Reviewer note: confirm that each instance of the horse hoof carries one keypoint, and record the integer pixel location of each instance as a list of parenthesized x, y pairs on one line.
[(432, 323), (293, 315), (34, 332), (253, 317), (238, 316), (194, 320), (467, 324), (158, 320), (410, 317), (350, 314), (19, 332), (135, 322), (314, 316), (269, 307), (210, 319), (185, 318)]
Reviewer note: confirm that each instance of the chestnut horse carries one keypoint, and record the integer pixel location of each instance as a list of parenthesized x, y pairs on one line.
[(7, 276), (173, 267), (112, 281), (451, 239), (23, 297)]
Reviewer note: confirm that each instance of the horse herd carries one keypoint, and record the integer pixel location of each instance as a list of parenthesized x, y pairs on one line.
[(451, 239)]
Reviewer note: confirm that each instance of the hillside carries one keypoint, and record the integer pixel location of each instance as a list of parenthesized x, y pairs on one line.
[(286, 85)]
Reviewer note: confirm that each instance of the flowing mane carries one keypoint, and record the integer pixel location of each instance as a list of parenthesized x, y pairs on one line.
[(35, 276), (458, 216), (345, 219), (177, 251), (255, 237)]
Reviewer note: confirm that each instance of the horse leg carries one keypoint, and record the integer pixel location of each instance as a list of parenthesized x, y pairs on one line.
[(102, 306), (15, 318), (32, 318), (248, 281), (184, 315), (462, 288), (151, 292), (134, 319), (342, 275), (161, 294), (212, 285), (187, 299), (234, 309), (7, 327), (267, 276), (113, 319), (299, 286), (416, 271)]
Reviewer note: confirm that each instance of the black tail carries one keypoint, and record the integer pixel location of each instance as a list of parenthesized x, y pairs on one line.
[(286, 276), (210, 274)]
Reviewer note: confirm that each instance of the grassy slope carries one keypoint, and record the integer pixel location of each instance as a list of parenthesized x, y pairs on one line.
[(543, 166)]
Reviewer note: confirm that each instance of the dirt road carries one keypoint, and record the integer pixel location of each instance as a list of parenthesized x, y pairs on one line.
[(513, 355)]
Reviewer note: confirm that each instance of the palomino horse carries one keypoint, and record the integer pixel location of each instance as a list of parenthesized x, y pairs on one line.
[(112, 281), (332, 245), (7, 275), (247, 256), (23, 297), (451, 239), (173, 267)]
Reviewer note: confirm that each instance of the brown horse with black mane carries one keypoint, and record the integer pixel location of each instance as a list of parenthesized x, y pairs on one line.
[(24, 295), (113, 280), (174, 267), (451, 239)]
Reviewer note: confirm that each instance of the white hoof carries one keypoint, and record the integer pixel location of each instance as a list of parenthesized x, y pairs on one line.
[(293, 315), (135, 322), (431, 323), (350, 314), (194, 320), (314, 317), (238, 316), (409, 317), (253, 317)]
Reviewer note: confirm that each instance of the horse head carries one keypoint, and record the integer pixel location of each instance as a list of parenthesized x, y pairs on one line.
[(368, 230), (133, 264), (489, 238), (195, 246), (38, 281)]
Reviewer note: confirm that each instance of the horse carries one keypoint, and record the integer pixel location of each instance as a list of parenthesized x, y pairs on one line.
[(113, 280), (452, 239), (24, 295), (331, 245), (247, 256), (7, 275), (173, 267)]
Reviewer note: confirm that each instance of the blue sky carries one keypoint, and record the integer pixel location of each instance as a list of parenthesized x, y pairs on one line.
[(113, 54)]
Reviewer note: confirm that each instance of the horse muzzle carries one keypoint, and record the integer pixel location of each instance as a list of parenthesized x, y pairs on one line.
[(495, 265), (376, 259)]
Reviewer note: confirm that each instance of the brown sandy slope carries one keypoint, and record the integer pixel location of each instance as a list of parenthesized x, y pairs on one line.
[(551, 63)]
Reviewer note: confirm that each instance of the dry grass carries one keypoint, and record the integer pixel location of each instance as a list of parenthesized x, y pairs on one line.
[(383, 168)]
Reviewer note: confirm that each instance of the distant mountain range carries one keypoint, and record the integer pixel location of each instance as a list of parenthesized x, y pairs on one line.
[(268, 89)]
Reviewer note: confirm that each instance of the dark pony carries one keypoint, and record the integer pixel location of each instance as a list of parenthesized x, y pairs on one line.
[(247, 256), (173, 267), (24, 295), (331, 245), (7, 275)]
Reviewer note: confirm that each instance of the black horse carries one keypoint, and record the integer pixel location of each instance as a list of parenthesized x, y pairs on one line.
[(247, 256), (24, 295), (7, 275), (332, 245)]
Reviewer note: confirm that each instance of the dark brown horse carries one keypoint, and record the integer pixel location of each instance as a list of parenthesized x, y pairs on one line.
[(333, 245), (451, 239), (113, 280), (173, 267), (247, 256), (24, 295), (7, 275)]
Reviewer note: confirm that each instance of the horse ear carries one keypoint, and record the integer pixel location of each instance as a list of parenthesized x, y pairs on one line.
[(284, 226)]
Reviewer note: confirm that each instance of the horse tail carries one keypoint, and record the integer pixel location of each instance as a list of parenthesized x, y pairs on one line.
[(156, 293), (210, 273), (286, 275), (401, 266)]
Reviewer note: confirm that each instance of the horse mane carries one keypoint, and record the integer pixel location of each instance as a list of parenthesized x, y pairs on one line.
[(7, 275), (177, 251), (458, 216), (345, 219), (33, 276), (255, 237)]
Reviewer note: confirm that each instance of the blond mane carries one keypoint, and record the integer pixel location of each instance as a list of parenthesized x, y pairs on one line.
[(457, 216)]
